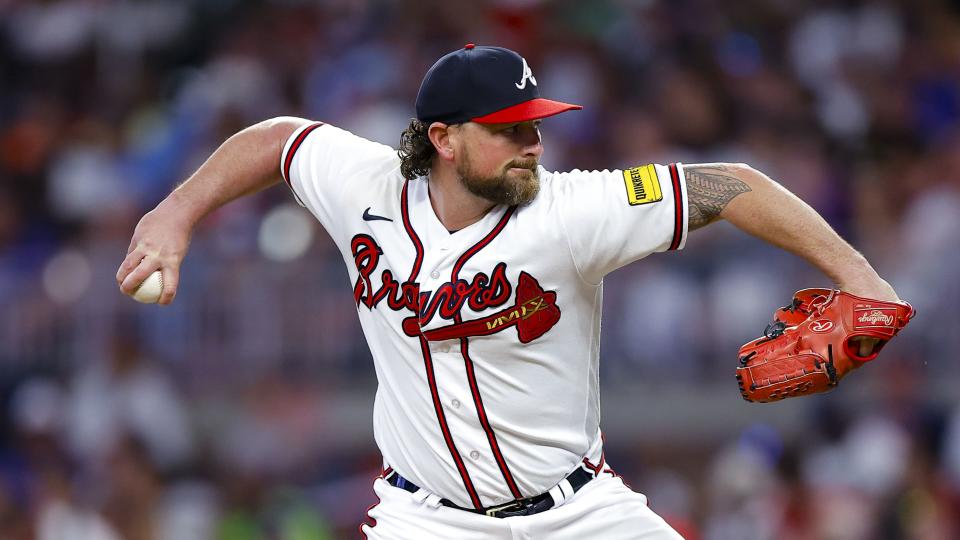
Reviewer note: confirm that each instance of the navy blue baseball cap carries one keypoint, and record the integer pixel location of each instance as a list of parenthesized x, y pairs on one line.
[(488, 85)]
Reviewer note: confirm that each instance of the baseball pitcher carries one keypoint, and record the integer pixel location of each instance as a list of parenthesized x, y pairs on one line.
[(478, 279)]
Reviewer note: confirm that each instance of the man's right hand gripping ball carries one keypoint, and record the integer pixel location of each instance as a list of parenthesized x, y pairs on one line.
[(814, 342)]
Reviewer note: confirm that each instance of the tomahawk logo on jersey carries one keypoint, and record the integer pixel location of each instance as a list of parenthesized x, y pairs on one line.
[(485, 341)]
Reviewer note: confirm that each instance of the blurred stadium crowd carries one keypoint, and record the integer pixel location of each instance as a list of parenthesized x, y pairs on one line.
[(242, 411)]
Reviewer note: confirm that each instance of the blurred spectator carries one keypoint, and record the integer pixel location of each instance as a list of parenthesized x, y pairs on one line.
[(124, 394)]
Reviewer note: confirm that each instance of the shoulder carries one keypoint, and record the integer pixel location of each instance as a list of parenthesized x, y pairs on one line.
[(601, 194), (327, 167), (333, 151), (559, 182), (562, 186), (563, 192), (333, 137)]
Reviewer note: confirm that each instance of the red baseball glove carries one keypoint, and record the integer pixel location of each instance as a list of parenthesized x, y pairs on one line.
[(809, 346)]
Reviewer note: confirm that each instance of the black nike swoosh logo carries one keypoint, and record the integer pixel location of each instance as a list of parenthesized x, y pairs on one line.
[(367, 216)]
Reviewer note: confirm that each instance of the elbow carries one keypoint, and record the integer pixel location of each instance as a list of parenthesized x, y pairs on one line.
[(275, 132), (750, 179), (712, 187), (745, 173), (282, 127)]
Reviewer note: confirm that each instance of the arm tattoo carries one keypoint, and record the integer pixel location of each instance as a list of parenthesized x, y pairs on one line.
[(709, 189)]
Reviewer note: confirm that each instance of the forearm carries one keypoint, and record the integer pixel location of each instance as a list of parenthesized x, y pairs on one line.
[(247, 162), (763, 208)]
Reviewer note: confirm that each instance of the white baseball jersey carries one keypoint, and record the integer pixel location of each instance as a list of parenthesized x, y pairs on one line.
[(485, 341)]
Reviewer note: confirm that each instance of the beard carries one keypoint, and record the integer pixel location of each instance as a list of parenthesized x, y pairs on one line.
[(518, 190)]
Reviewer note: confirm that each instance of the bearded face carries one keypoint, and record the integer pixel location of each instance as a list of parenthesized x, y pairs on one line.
[(516, 183)]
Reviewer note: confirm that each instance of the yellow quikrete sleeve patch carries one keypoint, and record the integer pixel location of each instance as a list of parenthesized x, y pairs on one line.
[(643, 186)]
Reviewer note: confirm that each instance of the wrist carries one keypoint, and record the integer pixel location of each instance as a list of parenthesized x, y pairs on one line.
[(868, 284), (182, 208)]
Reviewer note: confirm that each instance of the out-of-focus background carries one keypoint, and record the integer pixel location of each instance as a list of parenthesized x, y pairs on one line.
[(243, 411)]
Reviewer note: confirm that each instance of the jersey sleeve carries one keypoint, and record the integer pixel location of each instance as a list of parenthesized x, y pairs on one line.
[(320, 163), (615, 217)]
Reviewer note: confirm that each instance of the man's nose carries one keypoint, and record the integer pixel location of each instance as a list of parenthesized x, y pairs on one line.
[(533, 145)]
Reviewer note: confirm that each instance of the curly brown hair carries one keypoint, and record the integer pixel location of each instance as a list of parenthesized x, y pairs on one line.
[(416, 151)]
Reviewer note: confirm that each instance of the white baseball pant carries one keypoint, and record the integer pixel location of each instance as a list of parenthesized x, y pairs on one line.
[(603, 509)]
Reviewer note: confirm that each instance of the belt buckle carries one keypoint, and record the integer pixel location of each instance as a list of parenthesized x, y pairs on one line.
[(513, 505)]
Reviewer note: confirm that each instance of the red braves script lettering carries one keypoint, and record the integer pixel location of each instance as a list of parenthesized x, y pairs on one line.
[(366, 255), (481, 293)]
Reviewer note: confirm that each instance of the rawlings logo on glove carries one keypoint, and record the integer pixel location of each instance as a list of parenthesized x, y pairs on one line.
[(811, 344)]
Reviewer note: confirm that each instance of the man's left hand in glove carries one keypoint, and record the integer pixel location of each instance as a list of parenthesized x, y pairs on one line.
[(823, 335)]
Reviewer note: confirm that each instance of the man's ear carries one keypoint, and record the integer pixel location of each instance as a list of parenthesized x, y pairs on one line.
[(443, 137)]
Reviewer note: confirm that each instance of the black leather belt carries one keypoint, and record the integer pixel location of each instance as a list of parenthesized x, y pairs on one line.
[(519, 507)]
